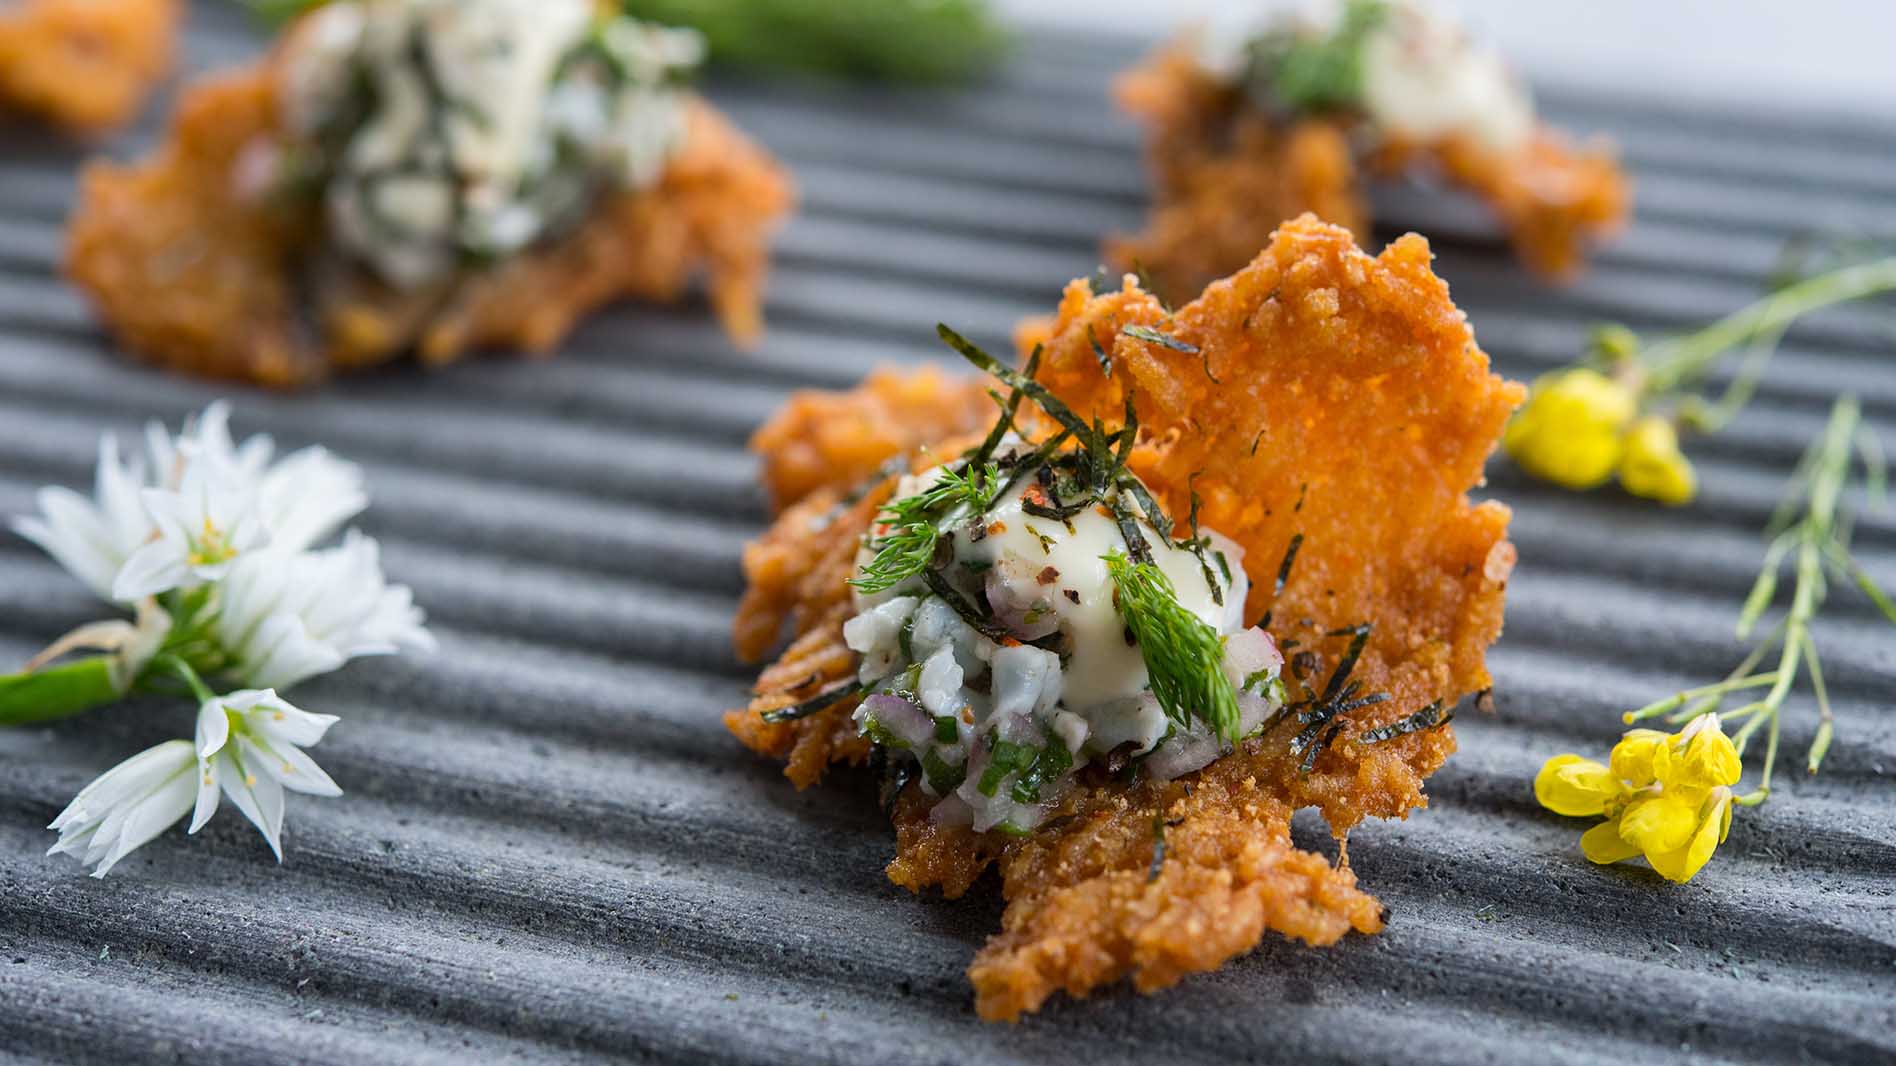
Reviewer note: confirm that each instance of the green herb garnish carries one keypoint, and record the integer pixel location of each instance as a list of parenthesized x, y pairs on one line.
[(917, 523), (1183, 656), (1303, 71)]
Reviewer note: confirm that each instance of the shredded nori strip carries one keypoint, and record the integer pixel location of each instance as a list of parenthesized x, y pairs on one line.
[(821, 701), (1090, 437), (1310, 757), (981, 623), (1136, 544), (1427, 718), (1198, 543), (896, 773), (1147, 333), (1143, 497), (1158, 847), (1166, 340), (1105, 358), (1290, 559), (1033, 461), (980, 455), (1360, 634)]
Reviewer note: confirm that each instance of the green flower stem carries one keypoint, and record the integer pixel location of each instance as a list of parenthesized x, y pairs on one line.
[(1677, 699), (184, 672), (1829, 470), (1673, 362), (57, 691)]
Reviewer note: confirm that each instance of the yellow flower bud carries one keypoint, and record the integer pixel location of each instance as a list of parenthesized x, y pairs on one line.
[(1641, 757), (1575, 787), (1661, 823), (1711, 821), (1666, 796), (1651, 464), (1569, 432), (1706, 757)]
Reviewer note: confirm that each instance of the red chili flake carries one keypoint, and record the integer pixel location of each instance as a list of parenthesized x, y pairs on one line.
[(1048, 576), (996, 528)]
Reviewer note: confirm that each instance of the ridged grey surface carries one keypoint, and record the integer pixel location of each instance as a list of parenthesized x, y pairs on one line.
[(550, 849)]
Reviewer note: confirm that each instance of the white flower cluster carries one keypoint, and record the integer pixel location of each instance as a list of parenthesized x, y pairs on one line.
[(214, 545)]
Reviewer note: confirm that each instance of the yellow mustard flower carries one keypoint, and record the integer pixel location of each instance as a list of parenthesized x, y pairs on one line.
[(1666, 796), (1570, 430), (1651, 464)]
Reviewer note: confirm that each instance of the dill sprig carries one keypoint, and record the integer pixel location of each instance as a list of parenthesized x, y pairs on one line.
[(1183, 656), (1811, 531), (916, 524)]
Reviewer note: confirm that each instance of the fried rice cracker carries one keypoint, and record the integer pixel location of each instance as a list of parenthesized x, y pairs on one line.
[(1225, 172), (83, 64), (196, 271), (1325, 396)]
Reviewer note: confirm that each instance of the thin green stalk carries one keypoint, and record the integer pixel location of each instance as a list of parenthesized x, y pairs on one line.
[(1826, 722), (1677, 699), (1707, 704), (1672, 362), (184, 672)]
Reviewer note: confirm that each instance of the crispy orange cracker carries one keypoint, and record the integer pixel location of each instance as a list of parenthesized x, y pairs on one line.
[(84, 64), (1225, 173), (197, 273), (1332, 395)]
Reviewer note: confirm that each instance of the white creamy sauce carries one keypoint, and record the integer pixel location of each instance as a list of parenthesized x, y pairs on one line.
[(471, 128), (945, 692), (1103, 666), (1424, 79)]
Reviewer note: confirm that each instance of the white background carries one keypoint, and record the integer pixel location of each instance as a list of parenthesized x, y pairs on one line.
[(1839, 54)]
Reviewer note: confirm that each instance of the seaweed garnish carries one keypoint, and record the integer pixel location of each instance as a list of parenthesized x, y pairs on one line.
[(1105, 358), (1158, 847), (1290, 560), (1198, 543), (892, 777), (1147, 333), (1427, 718), (1166, 340), (1322, 715), (824, 700), (1136, 543), (1283, 571), (1359, 638), (1092, 438), (1008, 409)]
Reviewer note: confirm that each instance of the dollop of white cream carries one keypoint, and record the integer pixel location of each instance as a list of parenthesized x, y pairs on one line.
[(1089, 698), (1424, 79), (454, 129)]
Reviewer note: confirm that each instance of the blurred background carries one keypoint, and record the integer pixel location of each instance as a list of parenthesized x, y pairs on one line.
[(1753, 53), (550, 847)]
